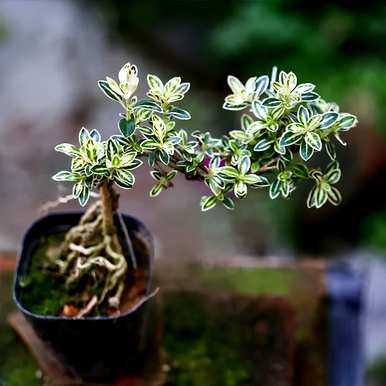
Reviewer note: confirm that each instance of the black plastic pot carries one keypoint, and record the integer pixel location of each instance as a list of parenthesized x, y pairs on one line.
[(92, 348)]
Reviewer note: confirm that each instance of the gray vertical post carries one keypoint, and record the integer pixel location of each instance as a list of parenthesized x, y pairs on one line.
[(346, 359)]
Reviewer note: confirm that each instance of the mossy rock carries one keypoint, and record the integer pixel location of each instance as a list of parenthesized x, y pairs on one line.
[(300, 286), (228, 340)]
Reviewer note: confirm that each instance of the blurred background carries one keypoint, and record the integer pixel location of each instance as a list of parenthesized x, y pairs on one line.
[(53, 52)]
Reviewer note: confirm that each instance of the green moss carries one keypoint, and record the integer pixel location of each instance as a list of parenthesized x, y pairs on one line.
[(17, 367), (275, 281), (196, 344), (42, 294), (45, 293), (226, 340), (22, 376)]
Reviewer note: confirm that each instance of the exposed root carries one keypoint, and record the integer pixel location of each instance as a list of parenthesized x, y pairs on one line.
[(114, 300), (90, 305), (92, 259), (86, 251)]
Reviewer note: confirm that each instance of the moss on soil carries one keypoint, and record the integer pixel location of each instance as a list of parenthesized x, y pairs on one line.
[(41, 293), (40, 282)]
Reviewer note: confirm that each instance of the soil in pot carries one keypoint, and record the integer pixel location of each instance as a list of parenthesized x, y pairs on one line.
[(45, 293)]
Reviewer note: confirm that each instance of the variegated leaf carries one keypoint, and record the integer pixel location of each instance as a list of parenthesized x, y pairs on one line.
[(171, 86), (299, 170), (228, 203), (228, 172), (155, 84), (104, 86), (235, 85), (274, 190), (244, 165), (306, 151), (311, 199), (84, 136), (127, 126), (179, 113), (334, 196), (230, 106), (321, 196), (150, 144), (208, 202), (95, 135), (68, 149), (303, 115), (262, 83), (240, 189), (111, 149), (164, 157), (246, 121), (347, 121), (124, 178), (289, 138), (328, 119), (263, 144), (251, 179), (333, 173), (146, 104), (82, 192), (156, 190), (271, 102), (159, 127), (309, 97), (65, 175), (313, 140)]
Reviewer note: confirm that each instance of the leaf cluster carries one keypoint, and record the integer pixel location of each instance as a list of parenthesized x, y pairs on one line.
[(283, 125)]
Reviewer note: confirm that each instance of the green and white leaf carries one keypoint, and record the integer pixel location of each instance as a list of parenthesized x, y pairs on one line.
[(208, 202)]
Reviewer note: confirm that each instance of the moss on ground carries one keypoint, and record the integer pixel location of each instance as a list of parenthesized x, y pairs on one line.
[(254, 281), (227, 341), (17, 366), (197, 348), (207, 348)]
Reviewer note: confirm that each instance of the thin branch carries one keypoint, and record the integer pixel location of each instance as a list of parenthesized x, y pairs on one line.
[(46, 207), (268, 166)]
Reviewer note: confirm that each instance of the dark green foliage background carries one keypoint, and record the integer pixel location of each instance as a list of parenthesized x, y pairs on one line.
[(338, 45)]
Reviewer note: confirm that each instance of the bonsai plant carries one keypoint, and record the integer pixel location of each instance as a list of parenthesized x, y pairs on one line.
[(100, 259)]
